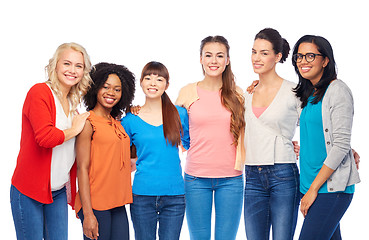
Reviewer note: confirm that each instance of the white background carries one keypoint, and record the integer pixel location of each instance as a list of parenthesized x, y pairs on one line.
[(135, 32)]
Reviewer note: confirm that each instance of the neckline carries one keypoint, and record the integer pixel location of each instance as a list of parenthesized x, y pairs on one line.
[(271, 103), (155, 126)]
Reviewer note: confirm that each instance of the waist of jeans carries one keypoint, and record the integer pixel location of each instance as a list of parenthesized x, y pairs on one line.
[(268, 168)]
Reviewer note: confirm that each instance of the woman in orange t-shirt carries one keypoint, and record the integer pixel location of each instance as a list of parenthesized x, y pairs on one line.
[(103, 155)]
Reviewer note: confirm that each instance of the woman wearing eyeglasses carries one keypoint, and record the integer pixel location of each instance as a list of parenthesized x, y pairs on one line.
[(327, 166)]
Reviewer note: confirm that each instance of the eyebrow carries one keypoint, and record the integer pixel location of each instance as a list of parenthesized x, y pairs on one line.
[(216, 53), (106, 83), (264, 50), (66, 60)]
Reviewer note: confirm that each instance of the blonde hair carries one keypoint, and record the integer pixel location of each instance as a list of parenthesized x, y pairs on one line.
[(77, 91)]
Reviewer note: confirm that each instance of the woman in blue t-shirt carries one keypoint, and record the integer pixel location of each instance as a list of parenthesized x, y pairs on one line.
[(327, 166), (156, 132)]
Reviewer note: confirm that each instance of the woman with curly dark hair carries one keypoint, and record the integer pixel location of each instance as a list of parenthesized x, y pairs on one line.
[(103, 155)]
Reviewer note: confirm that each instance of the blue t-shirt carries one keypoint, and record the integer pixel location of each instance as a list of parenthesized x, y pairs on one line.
[(313, 151), (158, 167)]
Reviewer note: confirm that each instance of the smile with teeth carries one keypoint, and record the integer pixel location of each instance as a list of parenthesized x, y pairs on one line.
[(109, 100), (258, 65), (305, 68), (153, 90), (70, 77), (213, 68)]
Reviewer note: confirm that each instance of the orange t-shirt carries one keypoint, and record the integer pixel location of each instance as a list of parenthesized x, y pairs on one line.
[(110, 167)]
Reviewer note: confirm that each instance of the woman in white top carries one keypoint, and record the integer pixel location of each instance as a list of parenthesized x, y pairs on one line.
[(44, 173), (272, 112)]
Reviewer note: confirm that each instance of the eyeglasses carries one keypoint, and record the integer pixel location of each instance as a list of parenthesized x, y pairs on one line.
[(309, 57)]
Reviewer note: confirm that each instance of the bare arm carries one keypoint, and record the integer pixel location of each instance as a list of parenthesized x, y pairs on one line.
[(83, 150), (310, 196)]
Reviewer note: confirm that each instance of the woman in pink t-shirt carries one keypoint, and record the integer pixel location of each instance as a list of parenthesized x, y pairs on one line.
[(215, 159)]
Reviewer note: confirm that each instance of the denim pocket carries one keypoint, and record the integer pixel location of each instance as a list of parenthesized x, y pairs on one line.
[(189, 178), (285, 171)]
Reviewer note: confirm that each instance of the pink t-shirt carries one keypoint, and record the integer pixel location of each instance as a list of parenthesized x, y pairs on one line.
[(211, 152)]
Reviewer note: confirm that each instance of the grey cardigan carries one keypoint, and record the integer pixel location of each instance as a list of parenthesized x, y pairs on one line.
[(337, 115)]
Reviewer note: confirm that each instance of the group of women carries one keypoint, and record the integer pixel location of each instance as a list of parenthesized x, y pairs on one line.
[(223, 129)]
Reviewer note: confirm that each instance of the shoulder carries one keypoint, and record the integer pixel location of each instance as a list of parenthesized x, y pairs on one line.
[(338, 89), (181, 111), (289, 84), (39, 95), (188, 87), (129, 117), (338, 84), (239, 90), (40, 89)]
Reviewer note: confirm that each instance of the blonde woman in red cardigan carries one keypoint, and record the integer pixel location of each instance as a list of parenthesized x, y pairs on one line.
[(45, 170)]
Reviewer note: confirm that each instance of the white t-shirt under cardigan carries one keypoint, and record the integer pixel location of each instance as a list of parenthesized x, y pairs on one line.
[(268, 139), (63, 156)]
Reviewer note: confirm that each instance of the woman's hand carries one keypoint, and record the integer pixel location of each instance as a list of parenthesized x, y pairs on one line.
[(250, 89), (90, 226), (307, 201), (357, 158), (296, 148), (135, 109), (133, 164), (79, 120), (78, 123)]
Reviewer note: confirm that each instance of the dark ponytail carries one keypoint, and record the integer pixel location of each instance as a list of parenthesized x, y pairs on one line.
[(280, 45), (172, 126)]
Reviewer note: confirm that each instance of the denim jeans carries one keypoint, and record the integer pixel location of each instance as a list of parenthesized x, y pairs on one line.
[(271, 199), (113, 223), (228, 197), (35, 220), (148, 211), (323, 217)]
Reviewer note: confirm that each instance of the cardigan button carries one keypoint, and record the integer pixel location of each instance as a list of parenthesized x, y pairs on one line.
[(330, 189), (326, 130), (328, 143)]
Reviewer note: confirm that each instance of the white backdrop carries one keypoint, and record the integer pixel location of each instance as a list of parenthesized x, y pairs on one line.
[(135, 32)]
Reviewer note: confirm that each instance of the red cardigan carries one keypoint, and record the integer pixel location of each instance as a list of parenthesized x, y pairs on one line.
[(39, 135)]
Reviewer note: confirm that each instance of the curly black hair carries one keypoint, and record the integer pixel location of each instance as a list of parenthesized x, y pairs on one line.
[(99, 74)]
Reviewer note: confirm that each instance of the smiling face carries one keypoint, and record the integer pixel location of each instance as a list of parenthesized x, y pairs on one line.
[(110, 93), (69, 68), (154, 86), (314, 70), (263, 57), (214, 59)]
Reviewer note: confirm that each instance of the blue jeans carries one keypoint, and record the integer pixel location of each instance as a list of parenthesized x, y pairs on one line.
[(35, 220), (228, 198), (323, 217), (113, 223), (271, 199), (148, 211)]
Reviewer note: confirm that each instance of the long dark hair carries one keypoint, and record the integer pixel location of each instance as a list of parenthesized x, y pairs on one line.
[(305, 88), (172, 126), (231, 99), (99, 74), (280, 45)]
